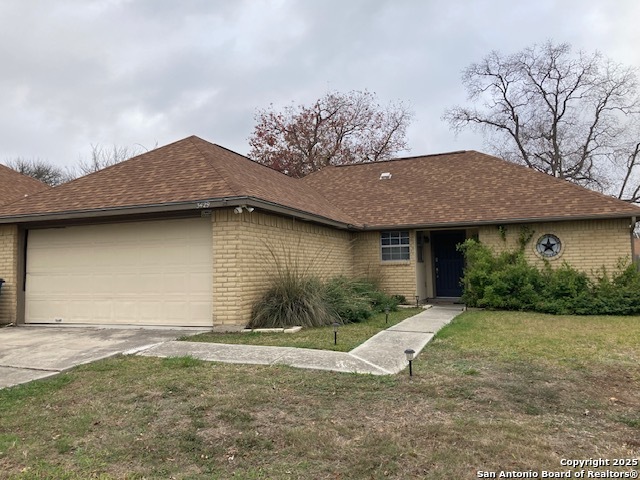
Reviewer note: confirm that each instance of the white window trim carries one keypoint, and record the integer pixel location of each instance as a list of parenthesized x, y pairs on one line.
[(400, 237)]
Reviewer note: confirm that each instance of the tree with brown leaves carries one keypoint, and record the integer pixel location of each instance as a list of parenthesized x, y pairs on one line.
[(337, 129)]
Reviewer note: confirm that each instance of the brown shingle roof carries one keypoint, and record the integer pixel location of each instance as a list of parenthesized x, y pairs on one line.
[(458, 188), (14, 185), (448, 189), (185, 171)]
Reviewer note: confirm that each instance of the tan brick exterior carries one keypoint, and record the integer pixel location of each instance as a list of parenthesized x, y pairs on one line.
[(243, 262), (587, 245), (9, 272), (396, 277)]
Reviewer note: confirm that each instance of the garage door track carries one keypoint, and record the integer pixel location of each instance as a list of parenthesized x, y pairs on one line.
[(28, 353)]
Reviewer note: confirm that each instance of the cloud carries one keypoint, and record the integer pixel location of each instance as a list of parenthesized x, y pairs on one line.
[(77, 73)]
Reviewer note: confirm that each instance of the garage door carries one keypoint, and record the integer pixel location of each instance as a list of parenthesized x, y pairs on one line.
[(143, 273)]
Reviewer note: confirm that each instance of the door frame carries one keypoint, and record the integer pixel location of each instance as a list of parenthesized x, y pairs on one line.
[(433, 243)]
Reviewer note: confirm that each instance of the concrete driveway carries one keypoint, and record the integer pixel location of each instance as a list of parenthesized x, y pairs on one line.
[(28, 353)]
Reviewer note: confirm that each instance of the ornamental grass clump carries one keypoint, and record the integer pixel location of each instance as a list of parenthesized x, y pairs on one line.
[(293, 300), (294, 297)]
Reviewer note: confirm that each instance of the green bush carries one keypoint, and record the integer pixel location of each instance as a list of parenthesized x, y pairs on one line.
[(297, 298), (347, 301), (506, 281), (355, 300), (400, 299), (377, 299)]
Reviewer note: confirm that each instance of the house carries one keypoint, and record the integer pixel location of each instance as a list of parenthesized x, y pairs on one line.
[(186, 234)]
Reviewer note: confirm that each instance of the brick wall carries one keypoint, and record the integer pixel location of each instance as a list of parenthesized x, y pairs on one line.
[(396, 277), (586, 245), (245, 249), (9, 272)]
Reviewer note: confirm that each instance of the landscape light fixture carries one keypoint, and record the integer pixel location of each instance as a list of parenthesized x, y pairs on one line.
[(386, 314), (335, 332), (417, 301), (410, 353)]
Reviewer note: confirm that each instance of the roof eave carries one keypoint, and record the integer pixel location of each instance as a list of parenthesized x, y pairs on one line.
[(509, 221), (192, 205)]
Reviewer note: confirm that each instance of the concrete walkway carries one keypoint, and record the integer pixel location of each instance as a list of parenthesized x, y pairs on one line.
[(382, 354)]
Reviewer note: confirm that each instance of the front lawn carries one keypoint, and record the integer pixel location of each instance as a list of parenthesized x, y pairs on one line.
[(493, 391), (349, 336)]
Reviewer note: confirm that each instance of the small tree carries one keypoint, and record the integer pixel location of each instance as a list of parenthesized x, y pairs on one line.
[(573, 116), (337, 129)]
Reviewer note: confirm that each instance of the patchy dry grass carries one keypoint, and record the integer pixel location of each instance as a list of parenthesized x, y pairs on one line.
[(489, 393), (349, 336)]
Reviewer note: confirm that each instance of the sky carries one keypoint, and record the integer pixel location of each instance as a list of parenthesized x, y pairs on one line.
[(145, 73)]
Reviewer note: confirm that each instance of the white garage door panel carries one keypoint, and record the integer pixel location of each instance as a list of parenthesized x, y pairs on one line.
[(146, 273)]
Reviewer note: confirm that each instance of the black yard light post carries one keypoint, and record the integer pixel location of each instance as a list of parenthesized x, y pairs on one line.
[(335, 332), (386, 315), (417, 301), (410, 353)]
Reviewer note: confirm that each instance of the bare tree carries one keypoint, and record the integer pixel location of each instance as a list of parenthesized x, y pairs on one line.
[(41, 170), (573, 116), (103, 157), (100, 157), (337, 129)]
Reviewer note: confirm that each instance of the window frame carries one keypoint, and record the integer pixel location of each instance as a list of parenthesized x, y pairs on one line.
[(395, 245)]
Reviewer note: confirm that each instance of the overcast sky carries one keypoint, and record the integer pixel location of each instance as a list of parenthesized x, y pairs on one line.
[(127, 72)]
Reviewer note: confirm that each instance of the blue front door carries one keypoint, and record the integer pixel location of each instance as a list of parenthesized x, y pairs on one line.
[(448, 262)]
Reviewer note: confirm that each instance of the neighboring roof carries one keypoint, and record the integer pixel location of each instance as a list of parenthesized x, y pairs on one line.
[(187, 171), (458, 188), (14, 185)]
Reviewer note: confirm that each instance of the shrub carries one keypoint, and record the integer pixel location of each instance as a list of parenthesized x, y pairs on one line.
[(297, 297), (355, 300), (294, 296), (400, 299), (377, 299), (293, 300), (620, 294), (347, 302), (507, 281)]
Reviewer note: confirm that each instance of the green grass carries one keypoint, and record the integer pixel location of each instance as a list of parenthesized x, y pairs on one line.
[(349, 336), (493, 391), (550, 339)]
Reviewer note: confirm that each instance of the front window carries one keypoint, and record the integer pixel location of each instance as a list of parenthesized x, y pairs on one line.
[(394, 245)]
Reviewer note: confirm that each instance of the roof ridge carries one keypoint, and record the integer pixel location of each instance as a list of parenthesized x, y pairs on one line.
[(388, 160), (226, 177), (296, 180), (253, 161)]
